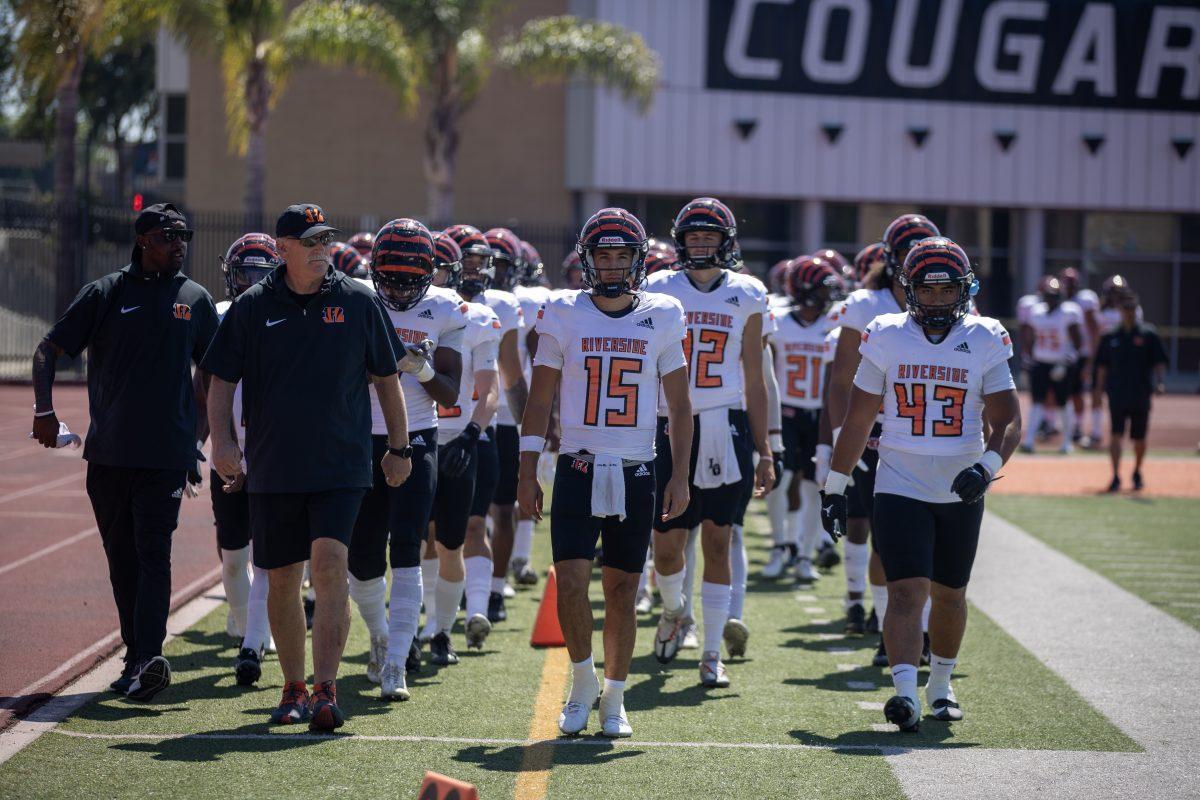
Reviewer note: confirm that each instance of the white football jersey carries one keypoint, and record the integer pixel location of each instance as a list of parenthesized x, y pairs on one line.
[(933, 393), (239, 418), (508, 309), (1052, 340), (862, 306), (480, 340), (531, 298), (716, 320), (1025, 305), (611, 370), (1088, 301), (801, 352), (440, 316)]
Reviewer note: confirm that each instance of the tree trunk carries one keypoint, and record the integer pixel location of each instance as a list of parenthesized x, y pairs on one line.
[(258, 97), (66, 201), (441, 141)]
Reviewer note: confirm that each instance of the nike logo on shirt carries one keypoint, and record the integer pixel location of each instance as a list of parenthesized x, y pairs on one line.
[(273, 322), (125, 310)]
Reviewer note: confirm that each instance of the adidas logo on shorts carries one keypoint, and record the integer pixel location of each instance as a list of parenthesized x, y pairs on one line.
[(177, 494), (646, 323), (733, 301), (417, 441), (426, 314), (962, 348), (641, 472)]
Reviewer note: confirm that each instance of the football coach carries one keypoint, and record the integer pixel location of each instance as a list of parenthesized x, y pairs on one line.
[(143, 326), (304, 342)]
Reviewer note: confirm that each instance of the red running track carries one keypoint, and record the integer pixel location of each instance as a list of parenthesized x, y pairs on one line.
[(58, 616)]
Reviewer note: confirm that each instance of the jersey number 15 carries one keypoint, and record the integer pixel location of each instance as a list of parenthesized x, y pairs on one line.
[(616, 389)]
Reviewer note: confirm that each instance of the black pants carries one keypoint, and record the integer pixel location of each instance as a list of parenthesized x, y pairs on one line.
[(137, 511)]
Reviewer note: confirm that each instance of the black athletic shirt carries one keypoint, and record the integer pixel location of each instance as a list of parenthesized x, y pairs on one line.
[(1130, 357), (142, 331)]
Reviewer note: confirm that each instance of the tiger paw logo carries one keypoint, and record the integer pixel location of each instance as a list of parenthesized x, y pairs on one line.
[(333, 314), (181, 311), (580, 465), (313, 215)]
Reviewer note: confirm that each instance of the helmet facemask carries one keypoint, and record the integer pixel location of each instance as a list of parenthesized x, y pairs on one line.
[(631, 277), (937, 316)]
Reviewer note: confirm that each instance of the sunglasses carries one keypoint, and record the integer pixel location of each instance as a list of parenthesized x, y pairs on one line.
[(323, 239), (169, 235)]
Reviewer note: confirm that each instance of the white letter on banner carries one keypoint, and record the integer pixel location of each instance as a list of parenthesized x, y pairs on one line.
[(1159, 57), (1027, 49), (1096, 32), (899, 68), (737, 45), (850, 67)]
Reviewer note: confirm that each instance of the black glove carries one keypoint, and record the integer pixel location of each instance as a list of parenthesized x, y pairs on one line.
[(778, 459), (971, 483), (833, 514), (459, 452)]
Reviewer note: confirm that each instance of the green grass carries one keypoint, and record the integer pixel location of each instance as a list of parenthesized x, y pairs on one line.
[(789, 691), (1148, 546)]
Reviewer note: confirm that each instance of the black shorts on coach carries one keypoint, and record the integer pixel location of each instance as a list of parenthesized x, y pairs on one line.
[(231, 514), (719, 505), (573, 529), (1137, 414), (916, 539), (285, 524)]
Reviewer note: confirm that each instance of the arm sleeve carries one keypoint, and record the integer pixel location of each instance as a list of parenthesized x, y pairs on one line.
[(870, 378), (73, 330), (226, 356), (998, 379), (549, 352), (382, 343)]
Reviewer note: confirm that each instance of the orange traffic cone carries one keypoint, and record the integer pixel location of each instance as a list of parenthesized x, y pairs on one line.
[(439, 787), (546, 630)]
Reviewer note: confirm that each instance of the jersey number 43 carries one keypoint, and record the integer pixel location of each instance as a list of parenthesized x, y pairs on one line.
[(910, 404)]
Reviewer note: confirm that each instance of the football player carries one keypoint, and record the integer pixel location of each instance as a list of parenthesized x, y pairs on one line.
[(466, 457), (881, 294), (777, 284), (347, 260), (362, 242), (660, 255), (724, 343), (393, 521), (572, 271), (938, 372), (1052, 345), (607, 350), (868, 259), (1089, 303)]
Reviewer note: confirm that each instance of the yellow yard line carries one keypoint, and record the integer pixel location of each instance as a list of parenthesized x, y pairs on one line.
[(534, 777)]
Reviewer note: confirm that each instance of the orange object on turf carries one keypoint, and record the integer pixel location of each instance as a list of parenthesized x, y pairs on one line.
[(546, 630), (439, 787)]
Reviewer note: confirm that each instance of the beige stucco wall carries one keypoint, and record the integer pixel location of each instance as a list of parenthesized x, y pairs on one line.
[(356, 154)]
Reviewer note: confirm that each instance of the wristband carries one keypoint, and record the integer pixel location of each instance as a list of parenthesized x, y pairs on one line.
[(836, 483), (426, 373), (836, 432), (775, 441), (992, 462), (37, 414), (533, 444)]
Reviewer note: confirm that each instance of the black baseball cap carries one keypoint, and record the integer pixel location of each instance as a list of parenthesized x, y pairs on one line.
[(301, 221), (156, 216)]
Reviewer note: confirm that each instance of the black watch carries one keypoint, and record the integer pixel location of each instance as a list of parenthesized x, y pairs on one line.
[(401, 452)]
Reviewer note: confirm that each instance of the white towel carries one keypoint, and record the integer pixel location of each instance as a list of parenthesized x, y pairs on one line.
[(608, 487), (716, 462)]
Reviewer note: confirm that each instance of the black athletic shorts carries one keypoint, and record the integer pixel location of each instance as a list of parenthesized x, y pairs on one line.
[(916, 539), (231, 513), (508, 456), (399, 515), (487, 477), (1137, 412), (284, 524), (574, 531), (800, 428), (451, 508), (720, 505), (1041, 385), (860, 498)]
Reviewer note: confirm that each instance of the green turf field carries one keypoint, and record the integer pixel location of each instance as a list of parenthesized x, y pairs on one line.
[(1148, 546), (796, 721)]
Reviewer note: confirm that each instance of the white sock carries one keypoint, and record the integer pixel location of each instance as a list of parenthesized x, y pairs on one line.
[(448, 596), (810, 514), (258, 626), (777, 510), (940, 668), (523, 540), (796, 528), (429, 582), (904, 678), (1068, 422), (879, 601), (612, 699), (369, 596), (738, 567), (647, 568), (856, 561), (479, 584), (1097, 424), (403, 612), (583, 679), (689, 573), (714, 599), (235, 576), (498, 584), (925, 614), (670, 589), (1036, 414)]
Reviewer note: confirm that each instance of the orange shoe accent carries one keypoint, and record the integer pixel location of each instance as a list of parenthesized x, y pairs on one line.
[(546, 630), (439, 787)]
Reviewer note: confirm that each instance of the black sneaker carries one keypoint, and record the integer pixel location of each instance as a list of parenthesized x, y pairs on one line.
[(310, 608), (441, 652), (413, 662), (880, 659), (873, 623), (1137, 482), (925, 652), (901, 712), (121, 684), (248, 666), (827, 556), (496, 610), (149, 678), (1115, 485), (856, 619)]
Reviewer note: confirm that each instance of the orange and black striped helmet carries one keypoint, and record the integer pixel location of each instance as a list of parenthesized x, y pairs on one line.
[(612, 228), (936, 261), (247, 261), (866, 259), (402, 263), (904, 232), (477, 275), (660, 255), (814, 282), (706, 214), (447, 256), (347, 260), (531, 265), (506, 257), (362, 241)]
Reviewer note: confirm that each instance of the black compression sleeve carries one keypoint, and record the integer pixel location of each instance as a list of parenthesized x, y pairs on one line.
[(45, 360)]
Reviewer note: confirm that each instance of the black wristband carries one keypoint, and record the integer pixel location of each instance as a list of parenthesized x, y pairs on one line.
[(471, 431), (401, 452)]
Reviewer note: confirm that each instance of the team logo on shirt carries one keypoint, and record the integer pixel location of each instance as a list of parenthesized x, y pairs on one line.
[(962, 348), (580, 464), (646, 323), (333, 314), (426, 314), (733, 301), (181, 311)]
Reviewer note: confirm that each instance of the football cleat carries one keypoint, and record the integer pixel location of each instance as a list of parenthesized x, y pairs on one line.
[(782, 557), (689, 638), (524, 574), (856, 619), (293, 708), (508, 592), (324, 716), (496, 610), (413, 662), (666, 638), (149, 678), (478, 628), (1138, 485), (712, 671), (575, 713), (880, 659), (828, 556), (903, 713), (248, 666), (805, 572), (428, 632), (616, 725), (376, 658), (441, 652), (645, 602), (873, 623), (945, 709), (1115, 485), (735, 634), (393, 684)]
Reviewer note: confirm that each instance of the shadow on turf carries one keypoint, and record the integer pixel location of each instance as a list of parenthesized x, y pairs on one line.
[(932, 733), (561, 754)]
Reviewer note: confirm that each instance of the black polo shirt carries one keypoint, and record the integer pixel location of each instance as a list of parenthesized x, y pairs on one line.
[(1130, 357), (143, 331), (304, 373)]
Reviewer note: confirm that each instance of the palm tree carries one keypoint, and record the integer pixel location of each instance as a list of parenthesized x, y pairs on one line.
[(258, 43), (453, 39)]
